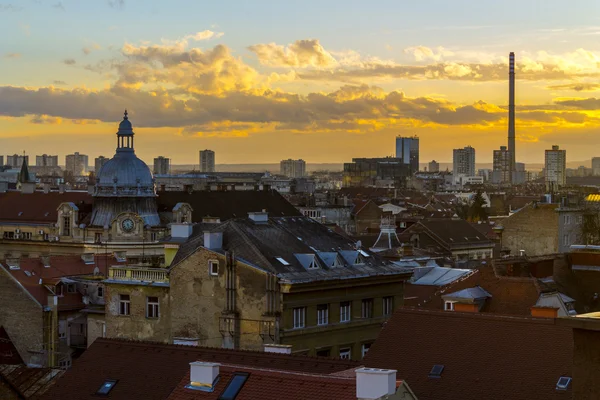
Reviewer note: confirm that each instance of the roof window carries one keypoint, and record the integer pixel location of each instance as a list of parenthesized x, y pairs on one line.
[(234, 386), (563, 383), (106, 387), (281, 260), (436, 371)]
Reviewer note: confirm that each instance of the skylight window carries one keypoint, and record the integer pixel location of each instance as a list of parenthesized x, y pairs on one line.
[(106, 387), (563, 383), (234, 386), (436, 371), (364, 253), (281, 260)]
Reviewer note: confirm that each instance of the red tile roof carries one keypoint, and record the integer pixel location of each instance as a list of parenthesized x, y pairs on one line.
[(484, 356), (9, 355), (39, 207), (60, 266), (273, 384), (153, 370)]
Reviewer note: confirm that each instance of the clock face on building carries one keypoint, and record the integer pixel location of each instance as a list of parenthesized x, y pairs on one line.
[(127, 225)]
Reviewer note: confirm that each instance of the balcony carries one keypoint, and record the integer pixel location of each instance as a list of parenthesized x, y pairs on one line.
[(138, 275)]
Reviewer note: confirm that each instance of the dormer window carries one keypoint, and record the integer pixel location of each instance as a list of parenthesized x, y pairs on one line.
[(66, 225)]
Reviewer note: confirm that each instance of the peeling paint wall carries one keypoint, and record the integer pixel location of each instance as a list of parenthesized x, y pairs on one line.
[(96, 327)]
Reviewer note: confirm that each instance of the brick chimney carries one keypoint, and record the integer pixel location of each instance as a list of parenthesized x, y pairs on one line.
[(544, 312), (373, 383)]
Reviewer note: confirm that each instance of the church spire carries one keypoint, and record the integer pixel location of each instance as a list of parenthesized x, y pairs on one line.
[(24, 173)]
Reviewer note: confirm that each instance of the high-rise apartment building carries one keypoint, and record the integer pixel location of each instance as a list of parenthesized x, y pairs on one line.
[(99, 162), (207, 161), (76, 164), (46, 161), (1, 161), (15, 161), (463, 162), (555, 174), (407, 149), (162, 165), (502, 166), (434, 166), (292, 168), (596, 166)]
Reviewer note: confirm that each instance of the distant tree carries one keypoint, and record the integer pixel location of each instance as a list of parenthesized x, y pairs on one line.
[(477, 211)]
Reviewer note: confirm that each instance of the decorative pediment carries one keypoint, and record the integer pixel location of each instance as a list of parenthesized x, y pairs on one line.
[(182, 213)]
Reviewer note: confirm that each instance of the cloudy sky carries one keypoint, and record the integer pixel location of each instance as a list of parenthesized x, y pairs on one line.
[(258, 81)]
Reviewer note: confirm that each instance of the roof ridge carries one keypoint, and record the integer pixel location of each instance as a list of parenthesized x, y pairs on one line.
[(305, 374), (480, 315)]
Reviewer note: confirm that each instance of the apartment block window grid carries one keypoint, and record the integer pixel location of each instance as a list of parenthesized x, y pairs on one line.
[(388, 305), (152, 307), (367, 308), (299, 317), (124, 304), (322, 314), (345, 310)]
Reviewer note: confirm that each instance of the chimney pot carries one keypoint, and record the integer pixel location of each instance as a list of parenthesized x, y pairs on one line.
[(213, 240), (260, 217), (203, 375), (181, 230), (374, 383), (278, 348)]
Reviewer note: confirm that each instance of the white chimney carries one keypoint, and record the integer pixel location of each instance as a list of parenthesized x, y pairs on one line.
[(181, 230), (61, 188), (278, 348), (260, 217), (46, 188), (373, 383), (203, 374), (213, 240)]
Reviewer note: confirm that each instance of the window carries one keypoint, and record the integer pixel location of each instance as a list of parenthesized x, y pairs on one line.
[(213, 267), (388, 305), (436, 371), (563, 383), (97, 237), (299, 317), (567, 219), (64, 364), (26, 235), (66, 226), (365, 349), (154, 236), (71, 288), (345, 353), (9, 235), (106, 387), (100, 291), (62, 329), (565, 240), (324, 353), (234, 386), (124, 304), (322, 314), (449, 306), (345, 311), (152, 307), (59, 290), (367, 308)]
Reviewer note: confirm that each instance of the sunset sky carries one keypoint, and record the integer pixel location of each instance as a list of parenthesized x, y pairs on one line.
[(260, 81)]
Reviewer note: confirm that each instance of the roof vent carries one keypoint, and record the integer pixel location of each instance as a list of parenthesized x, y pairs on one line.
[(203, 376), (259, 217), (373, 383), (278, 348)]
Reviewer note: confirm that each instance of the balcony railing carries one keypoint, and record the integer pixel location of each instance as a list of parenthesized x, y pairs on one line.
[(138, 274)]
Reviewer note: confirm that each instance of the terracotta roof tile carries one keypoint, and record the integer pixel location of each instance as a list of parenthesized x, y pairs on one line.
[(484, 356), (40, 207), (153, 370)]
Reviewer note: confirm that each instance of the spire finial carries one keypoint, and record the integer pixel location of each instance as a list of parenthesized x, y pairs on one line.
[(125, 117)]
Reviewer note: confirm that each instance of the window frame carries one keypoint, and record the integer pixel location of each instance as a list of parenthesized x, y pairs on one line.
[(388, 305), (322, 314), (152, 307), (449, 303), (366, 309), (299, 317), (66, 226), (71, 288), (211, 264), (124, 305), (100, 291), (345, 353), (364, 348), (345, 305)]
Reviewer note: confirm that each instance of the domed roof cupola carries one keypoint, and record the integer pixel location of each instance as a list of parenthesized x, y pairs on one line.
[(125, 135)]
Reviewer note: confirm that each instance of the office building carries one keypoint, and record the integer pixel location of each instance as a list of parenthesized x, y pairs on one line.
[(596, 166), (463, 162), (292, 168), (99, 162), (555, 174), (1, 161), (434, 166), (162, 166), (371, 171), (501, 172), (46, 161), (407, 150), (15, 161), (207, 161), (76, 164)]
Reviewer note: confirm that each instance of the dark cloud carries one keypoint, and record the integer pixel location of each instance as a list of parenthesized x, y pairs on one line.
[(60, 83), (69, 61), (12, 55), (577, 87), (591, 103), (59, 6), (116, 3)]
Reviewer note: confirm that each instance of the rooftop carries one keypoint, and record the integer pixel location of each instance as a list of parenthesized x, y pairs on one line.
[(40, 207)]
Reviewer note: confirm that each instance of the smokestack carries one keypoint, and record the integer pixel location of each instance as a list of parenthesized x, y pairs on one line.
[(511, 112)]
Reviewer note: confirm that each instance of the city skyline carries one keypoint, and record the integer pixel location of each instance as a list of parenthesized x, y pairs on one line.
[(218, 77)]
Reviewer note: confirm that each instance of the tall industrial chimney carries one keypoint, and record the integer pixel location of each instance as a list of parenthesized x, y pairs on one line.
[(511, 113)]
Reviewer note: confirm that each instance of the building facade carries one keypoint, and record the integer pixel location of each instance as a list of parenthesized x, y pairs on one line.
[(15, 161), (76, 164), (407, 150), (292, 168), (207, 161), (434, 166), (502, 166), (99, 162), (368, 171), (555, 174), (46, 161), (463, 162), (596, 166), (162, 166)]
